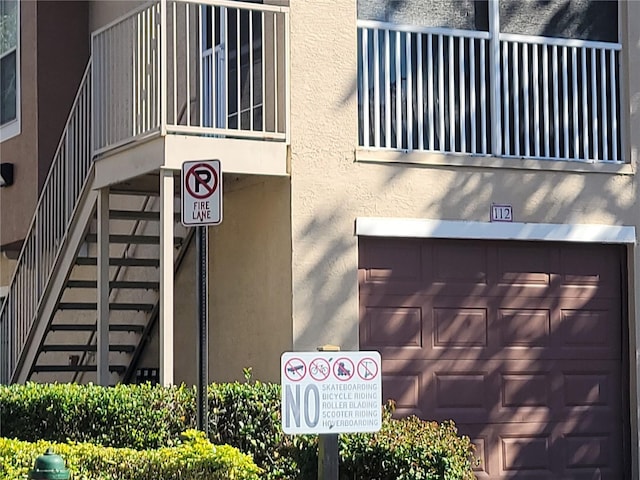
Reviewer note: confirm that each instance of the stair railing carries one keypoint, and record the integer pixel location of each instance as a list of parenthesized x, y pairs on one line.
[(47, 233)]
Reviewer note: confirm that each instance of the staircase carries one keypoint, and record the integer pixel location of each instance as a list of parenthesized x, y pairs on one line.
[(67, 351), (156, 87), (48, 322)]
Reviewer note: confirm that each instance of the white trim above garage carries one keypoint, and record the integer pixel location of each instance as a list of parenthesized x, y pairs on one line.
[(425, 228)]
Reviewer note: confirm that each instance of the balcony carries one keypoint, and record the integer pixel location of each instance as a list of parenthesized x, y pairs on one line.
[(471, 92), (192, 80)]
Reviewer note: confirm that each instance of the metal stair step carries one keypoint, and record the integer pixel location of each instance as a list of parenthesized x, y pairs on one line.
[(121, 262), (91, 327), (148, 215), (114, 284), (140, 307), (133, 215), (137, 239), (87, 348), (75, 368), (133, 239)]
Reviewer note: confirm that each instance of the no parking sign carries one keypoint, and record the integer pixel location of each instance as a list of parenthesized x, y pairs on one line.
[(201, 193)]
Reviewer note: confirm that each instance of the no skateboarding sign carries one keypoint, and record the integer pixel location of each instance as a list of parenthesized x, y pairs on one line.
[(331, 392), (201, 193)]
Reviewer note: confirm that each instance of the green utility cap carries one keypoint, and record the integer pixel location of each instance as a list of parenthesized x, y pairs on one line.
[(49, 467)]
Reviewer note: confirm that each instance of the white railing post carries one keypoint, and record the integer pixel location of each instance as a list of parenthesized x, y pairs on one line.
[(494, 77), (163, 67)]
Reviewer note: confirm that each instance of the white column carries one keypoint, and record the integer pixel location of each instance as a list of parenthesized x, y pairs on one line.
[(166, 276), (102, 358)]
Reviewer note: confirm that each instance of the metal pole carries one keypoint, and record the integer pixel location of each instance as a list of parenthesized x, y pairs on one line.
[(203, 346), (328, 451)]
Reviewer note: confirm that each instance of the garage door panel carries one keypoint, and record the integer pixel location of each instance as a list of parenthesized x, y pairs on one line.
[(519, 343), (529, 265), (528, 451), (506, 391), (394, 327)]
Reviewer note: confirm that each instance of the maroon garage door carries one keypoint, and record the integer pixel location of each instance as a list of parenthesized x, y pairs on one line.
[(519, 343)]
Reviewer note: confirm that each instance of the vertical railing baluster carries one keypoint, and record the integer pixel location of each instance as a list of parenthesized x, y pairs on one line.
[(462, 101), (565, 102), (545, 96), (603, 96), (574, 103), (452, 105), (430, 92), (409, 88), (594, 105), (472, 95), (238, 72), (556, 107), (526, 138), (376, 86), (536, 101), (506, 143), (387, 90), (420, 87), (398, 89), (483, 97), (365, 85), (515, 65), (585, 105), (251, 104), (263, 52), (441, 100), (614, 106)]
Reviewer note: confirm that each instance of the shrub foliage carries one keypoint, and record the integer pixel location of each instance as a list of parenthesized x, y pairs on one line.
[(244, 415), (195, 458)]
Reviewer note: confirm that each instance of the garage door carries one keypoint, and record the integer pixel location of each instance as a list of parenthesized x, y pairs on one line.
[(519, 343)]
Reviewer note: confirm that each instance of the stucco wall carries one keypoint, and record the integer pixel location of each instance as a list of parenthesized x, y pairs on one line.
[(18, 201), (103, 12), (249, 288)]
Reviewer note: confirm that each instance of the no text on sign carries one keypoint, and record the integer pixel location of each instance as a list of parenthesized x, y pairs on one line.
[(201, 195), (331, 392)]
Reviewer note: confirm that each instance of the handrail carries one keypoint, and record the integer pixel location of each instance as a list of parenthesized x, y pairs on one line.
[(48, 230)]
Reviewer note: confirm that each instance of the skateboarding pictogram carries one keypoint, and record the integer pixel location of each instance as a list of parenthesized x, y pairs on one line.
[(343, 369), (367, 369), (295, 369)]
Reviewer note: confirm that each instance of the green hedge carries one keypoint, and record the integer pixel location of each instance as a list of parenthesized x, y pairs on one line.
[(244, 415), (195, 458)]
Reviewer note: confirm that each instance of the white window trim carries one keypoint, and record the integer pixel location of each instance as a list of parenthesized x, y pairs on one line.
[(14, 127), (550, 232)]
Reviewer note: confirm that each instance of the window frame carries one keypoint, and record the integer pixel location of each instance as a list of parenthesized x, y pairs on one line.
[(12, 128)]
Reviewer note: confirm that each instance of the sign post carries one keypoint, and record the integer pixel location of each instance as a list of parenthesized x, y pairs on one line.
[(330, 392), (201, 199)]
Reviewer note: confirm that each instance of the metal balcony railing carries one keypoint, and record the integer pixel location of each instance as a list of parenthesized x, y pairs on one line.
[(208, 67), (62, 189), (460, 91)]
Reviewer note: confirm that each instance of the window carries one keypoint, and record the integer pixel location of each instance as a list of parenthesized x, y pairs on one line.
[(9, 68)]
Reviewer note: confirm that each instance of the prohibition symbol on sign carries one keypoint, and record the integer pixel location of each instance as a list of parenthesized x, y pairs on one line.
[(367, 369), (319, 369), (295, 369), (201, 181), (343, 369), (201, 193)]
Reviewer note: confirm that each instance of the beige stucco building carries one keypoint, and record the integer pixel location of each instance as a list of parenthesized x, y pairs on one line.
[(451, 183)]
